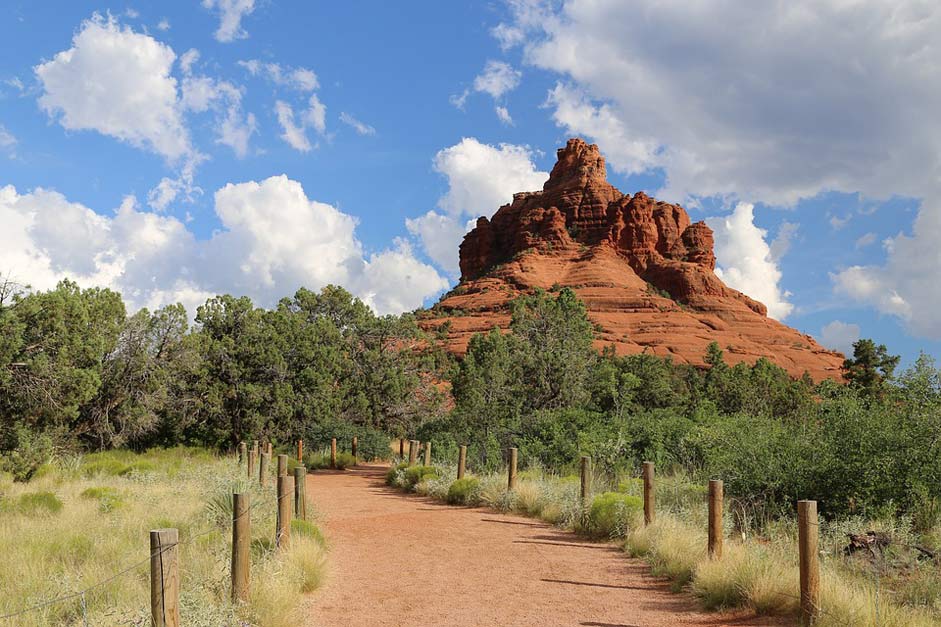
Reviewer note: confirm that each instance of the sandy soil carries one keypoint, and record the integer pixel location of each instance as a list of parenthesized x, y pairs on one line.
[(400, 559)]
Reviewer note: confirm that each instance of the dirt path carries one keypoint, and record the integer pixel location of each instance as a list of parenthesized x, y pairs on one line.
[(400, 559)]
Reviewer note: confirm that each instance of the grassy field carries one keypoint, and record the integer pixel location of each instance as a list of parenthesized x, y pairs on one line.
[(81, 520), (759, 568)]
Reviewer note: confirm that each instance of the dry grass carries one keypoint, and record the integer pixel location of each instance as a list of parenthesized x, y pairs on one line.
[(760, 571), (103, 527)]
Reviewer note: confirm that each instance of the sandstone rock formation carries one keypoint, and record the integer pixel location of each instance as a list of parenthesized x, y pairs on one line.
[(643, 269)]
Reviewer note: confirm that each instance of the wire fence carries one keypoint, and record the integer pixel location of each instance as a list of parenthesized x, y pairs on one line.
[(266, 501)]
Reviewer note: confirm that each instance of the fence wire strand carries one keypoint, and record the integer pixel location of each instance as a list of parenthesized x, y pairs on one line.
[(266, 500)]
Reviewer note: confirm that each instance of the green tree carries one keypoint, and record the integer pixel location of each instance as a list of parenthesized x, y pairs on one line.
[(870, 367)]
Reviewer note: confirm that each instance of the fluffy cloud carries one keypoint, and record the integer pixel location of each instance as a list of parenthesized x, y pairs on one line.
[(840, 336), (497, 79), (117, 82), (772, 114), (746, 260), (230, 13), (481, 178), (273, 239)]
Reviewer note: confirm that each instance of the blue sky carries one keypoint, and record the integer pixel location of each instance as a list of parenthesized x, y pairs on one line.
[(252, 147)]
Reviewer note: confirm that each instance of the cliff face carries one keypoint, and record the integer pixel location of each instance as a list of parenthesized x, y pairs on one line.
[(644, 270)]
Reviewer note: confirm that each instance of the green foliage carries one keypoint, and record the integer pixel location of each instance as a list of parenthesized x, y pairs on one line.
[(417, 474), (870, 366), (612, 514), (33, 504), (31, 452), (108, 498), (307, 529), (111, 467), (463, 491), (394, 472)]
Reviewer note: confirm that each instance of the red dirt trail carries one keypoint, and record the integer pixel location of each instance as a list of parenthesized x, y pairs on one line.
[(397, 559)]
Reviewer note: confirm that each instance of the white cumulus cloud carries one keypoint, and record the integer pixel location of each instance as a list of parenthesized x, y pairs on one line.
[(273, 239), (746, 262), (481, 178), (119, 83), (772, 114), (230, 13)]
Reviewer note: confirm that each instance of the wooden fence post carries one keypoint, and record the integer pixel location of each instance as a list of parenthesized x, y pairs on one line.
[(511, 471), (427, 460), (807, 536), (283, 529), (282, 465), (243, 453), (716, 532), (300, 451), (412, 452), (251, 464), (648, 493), (241, 543), (333, 453), (353, 451), (461, 461), (263, 469), (401, 448), (165, 578), (255, 447), (270, 449), (586, 479), (300, 493)]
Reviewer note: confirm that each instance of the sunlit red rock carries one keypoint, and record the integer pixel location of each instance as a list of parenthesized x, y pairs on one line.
[(643, 269)]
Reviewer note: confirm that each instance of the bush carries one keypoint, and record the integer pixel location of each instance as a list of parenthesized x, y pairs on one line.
[(28, 453), (319, 461), (307, 529), (32, 503), (394, 472), (108, 498), (463, 491), (417, 474), (105, 466), (612, 514)]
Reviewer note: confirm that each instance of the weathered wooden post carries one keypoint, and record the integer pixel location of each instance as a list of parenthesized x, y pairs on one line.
[(353, 451), (412, 452), (241, 543), (300, 493), (300, 451), (333, 453), (427, 460), (263, 469), (165, 578), (270, 449), (807, 536), (251, 464), (255, 447), (283, 529), (461, 461), (586, 479), (511, 470), (648, 493), (715, 518), (401, 448), (282, 465), (243, 453)]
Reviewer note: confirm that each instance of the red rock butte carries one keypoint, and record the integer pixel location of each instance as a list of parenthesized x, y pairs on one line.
[(645, 272)]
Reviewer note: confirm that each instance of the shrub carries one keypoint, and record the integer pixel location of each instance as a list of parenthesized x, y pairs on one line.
[(394, 472), (463, 491), (28, 453), (307, 529), (417, 474), (319, 461), (104, 466), (108, 498), (139, 467), (345, 460), (40, 503), (612, 514)]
